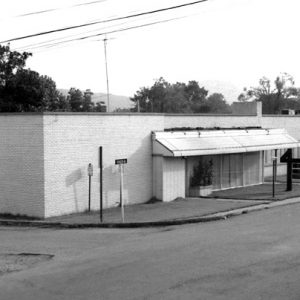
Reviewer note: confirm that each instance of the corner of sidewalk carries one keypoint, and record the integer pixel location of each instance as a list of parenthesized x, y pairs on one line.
[(180, 221)]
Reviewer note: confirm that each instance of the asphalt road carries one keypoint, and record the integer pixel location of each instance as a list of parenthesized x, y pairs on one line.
[(253, 256)]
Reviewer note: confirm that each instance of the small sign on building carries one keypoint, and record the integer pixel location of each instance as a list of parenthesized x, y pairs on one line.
[(121, 161), (90, 169)]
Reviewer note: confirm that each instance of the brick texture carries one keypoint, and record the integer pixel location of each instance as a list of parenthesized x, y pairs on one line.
[(72, 142), (22, 165), (44, 157)]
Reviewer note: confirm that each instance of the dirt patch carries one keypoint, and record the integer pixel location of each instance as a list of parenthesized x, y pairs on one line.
[(18, 262)]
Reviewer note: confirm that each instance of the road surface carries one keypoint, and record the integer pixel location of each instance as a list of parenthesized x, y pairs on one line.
[(253, 256)]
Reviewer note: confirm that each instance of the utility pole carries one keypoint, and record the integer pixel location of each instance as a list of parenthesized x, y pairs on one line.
[(107, 83)]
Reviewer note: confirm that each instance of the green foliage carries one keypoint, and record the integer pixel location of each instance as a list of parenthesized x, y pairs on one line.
[(177, 98), (275, 97), (75, 99), (217, 103), (203, 173), (82, 101), (28, 91), (24, 90), (10, 63)]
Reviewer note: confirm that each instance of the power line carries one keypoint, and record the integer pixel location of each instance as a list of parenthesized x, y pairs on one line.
[(110, 32), (46, 42), (104, 21), (55, 9)]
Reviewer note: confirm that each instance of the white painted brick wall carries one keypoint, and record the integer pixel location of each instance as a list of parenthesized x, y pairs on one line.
[(21, 164), (173, 178), (210, 121), (44, 158), (290, 123), (72, 142)]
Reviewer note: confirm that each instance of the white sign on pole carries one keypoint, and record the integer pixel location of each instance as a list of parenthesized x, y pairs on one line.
[(121, 163), (121, 191), (90, 169)]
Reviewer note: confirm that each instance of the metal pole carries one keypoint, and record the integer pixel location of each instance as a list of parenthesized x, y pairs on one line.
[(101, 184), (289, 184), (274, 167), (89, 192), (107, 82), (121, 192)]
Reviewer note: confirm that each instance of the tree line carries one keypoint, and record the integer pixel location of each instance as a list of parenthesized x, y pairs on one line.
[(178, 97), (25, 90), (275, 96)]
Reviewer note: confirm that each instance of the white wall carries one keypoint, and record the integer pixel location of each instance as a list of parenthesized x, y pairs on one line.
[(72, 142), (44, 157), (173, 178), (210, 121), (22, 164), (290, 123), (157, 181)]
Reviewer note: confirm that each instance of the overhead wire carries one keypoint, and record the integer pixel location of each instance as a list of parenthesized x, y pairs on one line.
[(109, 32), (45, 42), (56, 9), (36, 45), (104, 21)]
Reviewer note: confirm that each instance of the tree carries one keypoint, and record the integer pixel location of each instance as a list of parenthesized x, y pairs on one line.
[(274, 97), (88, 104), (10, 63), (100, 106), (170, 98), (75, 99), (23, 90), (196, 95), (216, 103), (28, 91)]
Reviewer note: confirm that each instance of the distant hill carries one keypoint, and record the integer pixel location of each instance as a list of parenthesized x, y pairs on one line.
[(115, 101), (227, 89)]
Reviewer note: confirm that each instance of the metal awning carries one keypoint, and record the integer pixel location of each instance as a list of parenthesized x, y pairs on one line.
[(194, 143)]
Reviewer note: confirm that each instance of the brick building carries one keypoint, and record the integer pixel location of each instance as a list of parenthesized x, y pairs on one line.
[(44, 156)]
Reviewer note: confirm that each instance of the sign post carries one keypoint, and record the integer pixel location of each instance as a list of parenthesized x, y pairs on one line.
[(121, 163), (101, 183), (288, 158), (90, 173), (274, 174)]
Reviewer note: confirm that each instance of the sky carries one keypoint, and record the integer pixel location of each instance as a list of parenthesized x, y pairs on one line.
[(230, 42)]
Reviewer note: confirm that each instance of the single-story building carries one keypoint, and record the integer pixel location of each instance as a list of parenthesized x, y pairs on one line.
[(44, 157), (194, 163)]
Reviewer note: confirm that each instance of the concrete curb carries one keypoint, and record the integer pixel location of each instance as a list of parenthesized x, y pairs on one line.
[(201, 219)]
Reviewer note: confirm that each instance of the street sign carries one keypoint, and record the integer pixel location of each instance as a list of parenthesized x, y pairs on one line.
[(121, 161), (90, 170), (90, 174), (290, 174)]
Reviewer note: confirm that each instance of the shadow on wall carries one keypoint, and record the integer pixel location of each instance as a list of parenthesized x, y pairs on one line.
[(71, 180), (137, 178), (111, 186), (137, 175)]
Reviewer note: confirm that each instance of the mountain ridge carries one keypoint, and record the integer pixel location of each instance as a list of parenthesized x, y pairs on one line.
[(115, 101)]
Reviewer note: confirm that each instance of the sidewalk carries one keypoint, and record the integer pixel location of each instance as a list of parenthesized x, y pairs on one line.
[(182, 211)]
